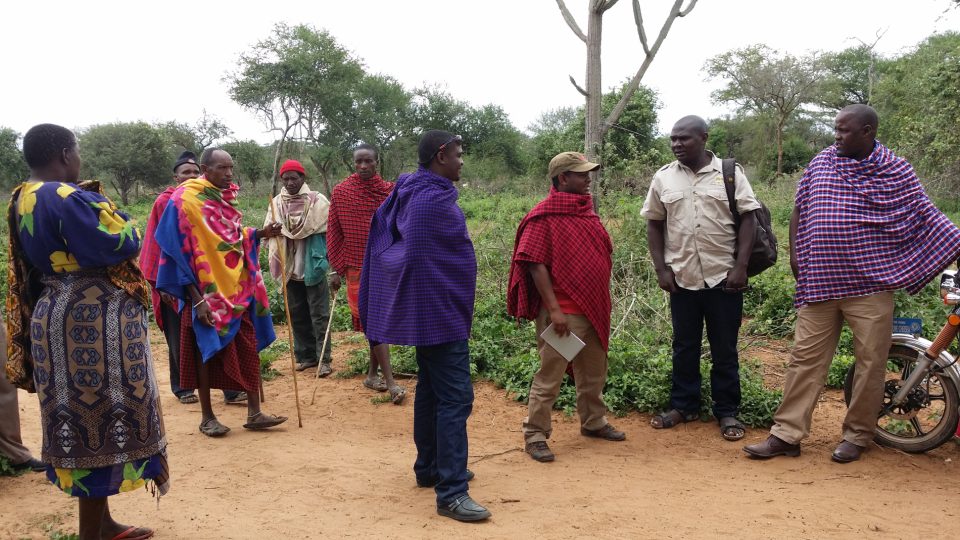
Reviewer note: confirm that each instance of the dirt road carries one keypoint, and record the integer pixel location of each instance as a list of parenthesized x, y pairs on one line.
[(347, 474)]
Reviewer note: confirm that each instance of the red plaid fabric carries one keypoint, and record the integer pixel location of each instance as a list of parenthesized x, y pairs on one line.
[(235, 367), (351, 207), (150, 251), (563, 233)]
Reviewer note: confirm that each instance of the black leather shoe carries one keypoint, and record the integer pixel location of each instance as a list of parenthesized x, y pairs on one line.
[(463, 508), (33, 464), (847, 451), (772, 447), (433, 481)]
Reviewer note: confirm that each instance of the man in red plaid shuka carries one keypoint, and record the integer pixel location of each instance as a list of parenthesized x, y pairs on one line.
[(560, 275), (352, 205)]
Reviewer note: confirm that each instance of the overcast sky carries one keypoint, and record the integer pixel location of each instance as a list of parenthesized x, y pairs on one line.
[(83, 63)]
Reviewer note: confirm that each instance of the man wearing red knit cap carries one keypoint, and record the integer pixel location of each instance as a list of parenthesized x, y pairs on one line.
[(303, 214)]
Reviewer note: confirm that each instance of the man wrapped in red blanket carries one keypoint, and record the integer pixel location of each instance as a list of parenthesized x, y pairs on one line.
[(560, 275)]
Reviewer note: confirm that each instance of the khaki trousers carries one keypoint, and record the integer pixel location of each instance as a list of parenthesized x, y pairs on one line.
[(590, 375), (817, 333), (11, 446)]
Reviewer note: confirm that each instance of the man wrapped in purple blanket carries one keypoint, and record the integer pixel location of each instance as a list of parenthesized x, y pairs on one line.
[(417, 288)]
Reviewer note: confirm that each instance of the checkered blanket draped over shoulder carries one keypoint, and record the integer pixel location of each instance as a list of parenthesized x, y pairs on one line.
[(866, 227), (565, 234), (352, 204), (419, 272)]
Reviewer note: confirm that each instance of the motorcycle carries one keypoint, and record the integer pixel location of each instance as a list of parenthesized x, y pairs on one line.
[(921, 403)]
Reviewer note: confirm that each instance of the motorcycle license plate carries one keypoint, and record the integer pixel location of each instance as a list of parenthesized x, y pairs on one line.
[(906, 325)]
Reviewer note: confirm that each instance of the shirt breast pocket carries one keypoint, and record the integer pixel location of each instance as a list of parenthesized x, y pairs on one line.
[(678, 214), (716, 206), (673, 201)]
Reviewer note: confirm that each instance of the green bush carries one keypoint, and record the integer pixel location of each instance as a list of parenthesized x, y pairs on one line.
[(838, 370), (402, 361), (279, 350), (7, 469)]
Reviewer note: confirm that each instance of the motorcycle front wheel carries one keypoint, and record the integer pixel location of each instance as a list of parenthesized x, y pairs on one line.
[(928, 417)]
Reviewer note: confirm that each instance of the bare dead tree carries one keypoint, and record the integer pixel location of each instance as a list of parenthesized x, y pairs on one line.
[(871, 70), (595, 126)]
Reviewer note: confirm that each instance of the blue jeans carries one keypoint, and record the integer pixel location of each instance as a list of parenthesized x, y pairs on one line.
[(722, 312), (443, 403)]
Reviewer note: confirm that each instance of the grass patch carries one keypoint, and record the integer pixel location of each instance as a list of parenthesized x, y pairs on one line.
[(278, 350), (7, 468)]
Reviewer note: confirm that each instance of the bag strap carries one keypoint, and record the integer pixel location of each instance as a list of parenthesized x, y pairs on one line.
[(730, 184)]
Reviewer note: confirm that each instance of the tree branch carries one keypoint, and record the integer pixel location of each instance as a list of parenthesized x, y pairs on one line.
[(571, 22), (609, 4), (651, 53), (638, 19), (578, 87), (685, 12)]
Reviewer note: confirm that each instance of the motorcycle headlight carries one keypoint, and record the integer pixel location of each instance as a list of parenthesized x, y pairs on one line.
[(949, 290)]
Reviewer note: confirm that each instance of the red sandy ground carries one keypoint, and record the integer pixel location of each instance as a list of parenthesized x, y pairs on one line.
[(347, 473)]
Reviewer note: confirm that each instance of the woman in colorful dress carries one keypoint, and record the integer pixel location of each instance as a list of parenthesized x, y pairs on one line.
[(77, 324)]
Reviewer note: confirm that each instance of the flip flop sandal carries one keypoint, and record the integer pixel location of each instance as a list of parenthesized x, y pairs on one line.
[(188, 399), (267, 422), (377, 385), (732, 429), (126, 535), (238, 399), (397, 393), (672, 418), (213, 428)]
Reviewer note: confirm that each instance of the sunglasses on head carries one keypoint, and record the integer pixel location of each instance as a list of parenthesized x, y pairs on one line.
[(456, 139)]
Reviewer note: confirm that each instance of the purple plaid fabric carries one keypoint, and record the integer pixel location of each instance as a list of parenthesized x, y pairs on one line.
[(866, 227), (419, 271)]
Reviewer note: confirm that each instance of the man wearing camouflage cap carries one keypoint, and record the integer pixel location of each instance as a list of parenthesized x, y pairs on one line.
[(560, 276)]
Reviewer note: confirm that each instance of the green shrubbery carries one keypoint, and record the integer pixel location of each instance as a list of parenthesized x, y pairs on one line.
[(7, 468), (504, 350)]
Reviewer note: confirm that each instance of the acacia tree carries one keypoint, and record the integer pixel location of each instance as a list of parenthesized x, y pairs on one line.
[(848, 78), (252, 161), (595, 124), (299, 78), (196, 138), (762, 81), (127, 154), (381, 115)]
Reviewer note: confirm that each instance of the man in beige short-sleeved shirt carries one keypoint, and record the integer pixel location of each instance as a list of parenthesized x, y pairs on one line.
[(692, 239)]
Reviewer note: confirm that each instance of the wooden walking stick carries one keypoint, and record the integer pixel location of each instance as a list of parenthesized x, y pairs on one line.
[(326, 337), (286, 307)]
